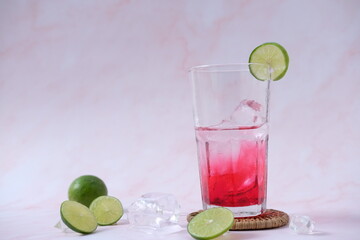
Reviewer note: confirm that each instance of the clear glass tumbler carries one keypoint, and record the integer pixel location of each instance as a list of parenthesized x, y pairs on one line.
[(231, 127)]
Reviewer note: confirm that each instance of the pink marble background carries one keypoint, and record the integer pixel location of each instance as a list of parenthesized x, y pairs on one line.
[(101, 87)]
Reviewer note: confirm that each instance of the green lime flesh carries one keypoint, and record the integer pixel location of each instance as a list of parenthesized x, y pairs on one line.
[(107, 210), (78, 217), (210, 223), (273, 61)]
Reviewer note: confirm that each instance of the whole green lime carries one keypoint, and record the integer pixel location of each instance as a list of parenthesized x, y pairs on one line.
[(86, 188)]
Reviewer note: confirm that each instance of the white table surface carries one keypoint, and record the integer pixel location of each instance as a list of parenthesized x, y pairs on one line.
[(38, 223)]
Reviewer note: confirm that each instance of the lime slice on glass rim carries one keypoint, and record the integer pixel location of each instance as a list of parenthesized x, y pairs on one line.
[(271, 57), (107, 210), (211, 223), (78, 217)]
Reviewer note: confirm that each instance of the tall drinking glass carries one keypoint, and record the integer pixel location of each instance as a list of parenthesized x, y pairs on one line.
[(231, 127)]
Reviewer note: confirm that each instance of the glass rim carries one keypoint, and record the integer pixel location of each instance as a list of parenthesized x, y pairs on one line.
[(226, 67)]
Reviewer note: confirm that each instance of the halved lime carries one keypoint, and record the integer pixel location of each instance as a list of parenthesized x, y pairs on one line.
[(86, 188), (107, 210), (78, 217), (211, 223), (275, 58)]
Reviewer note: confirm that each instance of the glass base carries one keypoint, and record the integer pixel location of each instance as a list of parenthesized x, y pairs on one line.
[(239, 212)]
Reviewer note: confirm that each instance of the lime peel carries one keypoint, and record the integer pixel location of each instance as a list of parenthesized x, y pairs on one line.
[(86, 188)]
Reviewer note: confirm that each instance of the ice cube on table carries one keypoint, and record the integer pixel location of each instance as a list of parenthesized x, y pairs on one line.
[(62, 227), (154, 210), (301, 224)]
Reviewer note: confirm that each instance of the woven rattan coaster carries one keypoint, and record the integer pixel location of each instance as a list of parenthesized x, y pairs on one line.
[(269, 219)]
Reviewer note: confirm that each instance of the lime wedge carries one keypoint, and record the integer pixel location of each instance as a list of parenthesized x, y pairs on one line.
[(211, 223), (275, 58), (78, 217), (107, 210)]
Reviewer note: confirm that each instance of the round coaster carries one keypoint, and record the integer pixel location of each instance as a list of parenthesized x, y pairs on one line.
[(269, 219)]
